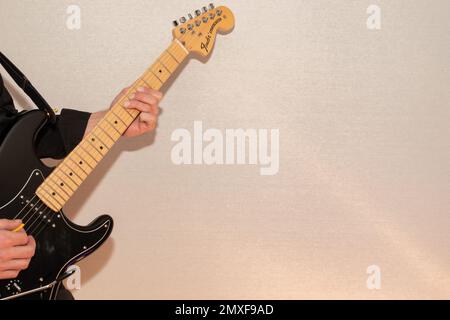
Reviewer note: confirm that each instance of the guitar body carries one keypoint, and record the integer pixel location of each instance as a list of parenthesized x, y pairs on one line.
[(31, 191), (59, 242)]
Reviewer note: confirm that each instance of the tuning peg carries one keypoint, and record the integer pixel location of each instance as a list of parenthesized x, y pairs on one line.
[(183, 20), (190, 16), (175, 23), (198, 13), (211, 6), (205, 9)]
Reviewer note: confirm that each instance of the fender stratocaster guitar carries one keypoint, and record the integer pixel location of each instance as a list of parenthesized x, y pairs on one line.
[(35, 193)]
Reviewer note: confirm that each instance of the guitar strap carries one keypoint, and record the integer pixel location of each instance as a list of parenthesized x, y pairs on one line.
[(22, 81)]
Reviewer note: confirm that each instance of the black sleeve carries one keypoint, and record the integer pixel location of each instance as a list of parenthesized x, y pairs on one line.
[(55, 141), (58, 140)]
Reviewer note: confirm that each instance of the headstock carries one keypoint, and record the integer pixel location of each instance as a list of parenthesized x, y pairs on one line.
[(198, 32)]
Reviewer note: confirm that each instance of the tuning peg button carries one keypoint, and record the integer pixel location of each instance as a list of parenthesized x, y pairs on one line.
[(211, 6), (190, 16), (198, 12), (175, 23), (205, 9), (183, 20)]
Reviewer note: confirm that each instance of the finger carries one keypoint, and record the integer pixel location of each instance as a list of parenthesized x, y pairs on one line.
[(32, 243), (120, 95), (20, 252), (155, 110), (18, 238), (147, 118), (123, 92), (155, 93), (10, 274), (16, 264), (145, 127), (147, 124), (147, 98), (142, 107), (10, 225), (11, 239)]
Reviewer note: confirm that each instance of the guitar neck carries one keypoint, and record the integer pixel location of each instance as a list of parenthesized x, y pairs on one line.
[(65, 180)]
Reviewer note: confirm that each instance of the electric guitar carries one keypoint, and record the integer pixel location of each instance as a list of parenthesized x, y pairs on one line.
[(35, 193)]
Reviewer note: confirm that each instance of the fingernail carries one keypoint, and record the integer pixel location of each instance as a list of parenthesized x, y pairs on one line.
[(132, 96), (127, 104), (141, 89)]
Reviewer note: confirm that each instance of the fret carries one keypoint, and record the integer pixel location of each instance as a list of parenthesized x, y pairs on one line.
[(160, 72), (87, 157), (59, 192), (100, 132), (122, 114), (129, 112), (152, 80), (119, 124), (110, 129), (71, 174), (134, 113), (173, 55), (177, 51), (91, 150), (146, 83), (52, 193), (98, 146), (61, 184), (169, 62), (80, 162), (100, 135), (50, 201), (61, 175), (65, 180)]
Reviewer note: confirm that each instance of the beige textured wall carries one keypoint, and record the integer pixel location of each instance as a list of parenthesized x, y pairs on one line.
[(364, 147)]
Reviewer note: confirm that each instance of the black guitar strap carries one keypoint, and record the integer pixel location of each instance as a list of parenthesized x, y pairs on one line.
[(23, 82)]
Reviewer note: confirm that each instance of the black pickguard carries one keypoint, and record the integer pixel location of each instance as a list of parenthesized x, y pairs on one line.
[(59, 242)]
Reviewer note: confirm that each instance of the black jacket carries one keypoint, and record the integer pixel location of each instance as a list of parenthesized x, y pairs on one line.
[(55, 141)]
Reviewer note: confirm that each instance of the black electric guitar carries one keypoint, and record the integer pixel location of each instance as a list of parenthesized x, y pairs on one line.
[(35, 193)]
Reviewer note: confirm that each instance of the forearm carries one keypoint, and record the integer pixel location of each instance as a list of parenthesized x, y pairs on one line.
[(93, 120)]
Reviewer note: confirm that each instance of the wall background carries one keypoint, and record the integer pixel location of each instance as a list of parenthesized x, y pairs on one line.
[(363, 117)]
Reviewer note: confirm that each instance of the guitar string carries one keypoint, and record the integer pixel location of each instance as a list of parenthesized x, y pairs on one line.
[(24, 208), (43, 213), (31, 209), (39, 216), (45, 225)]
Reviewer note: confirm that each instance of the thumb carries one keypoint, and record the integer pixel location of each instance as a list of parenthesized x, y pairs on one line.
[(9, 225)]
